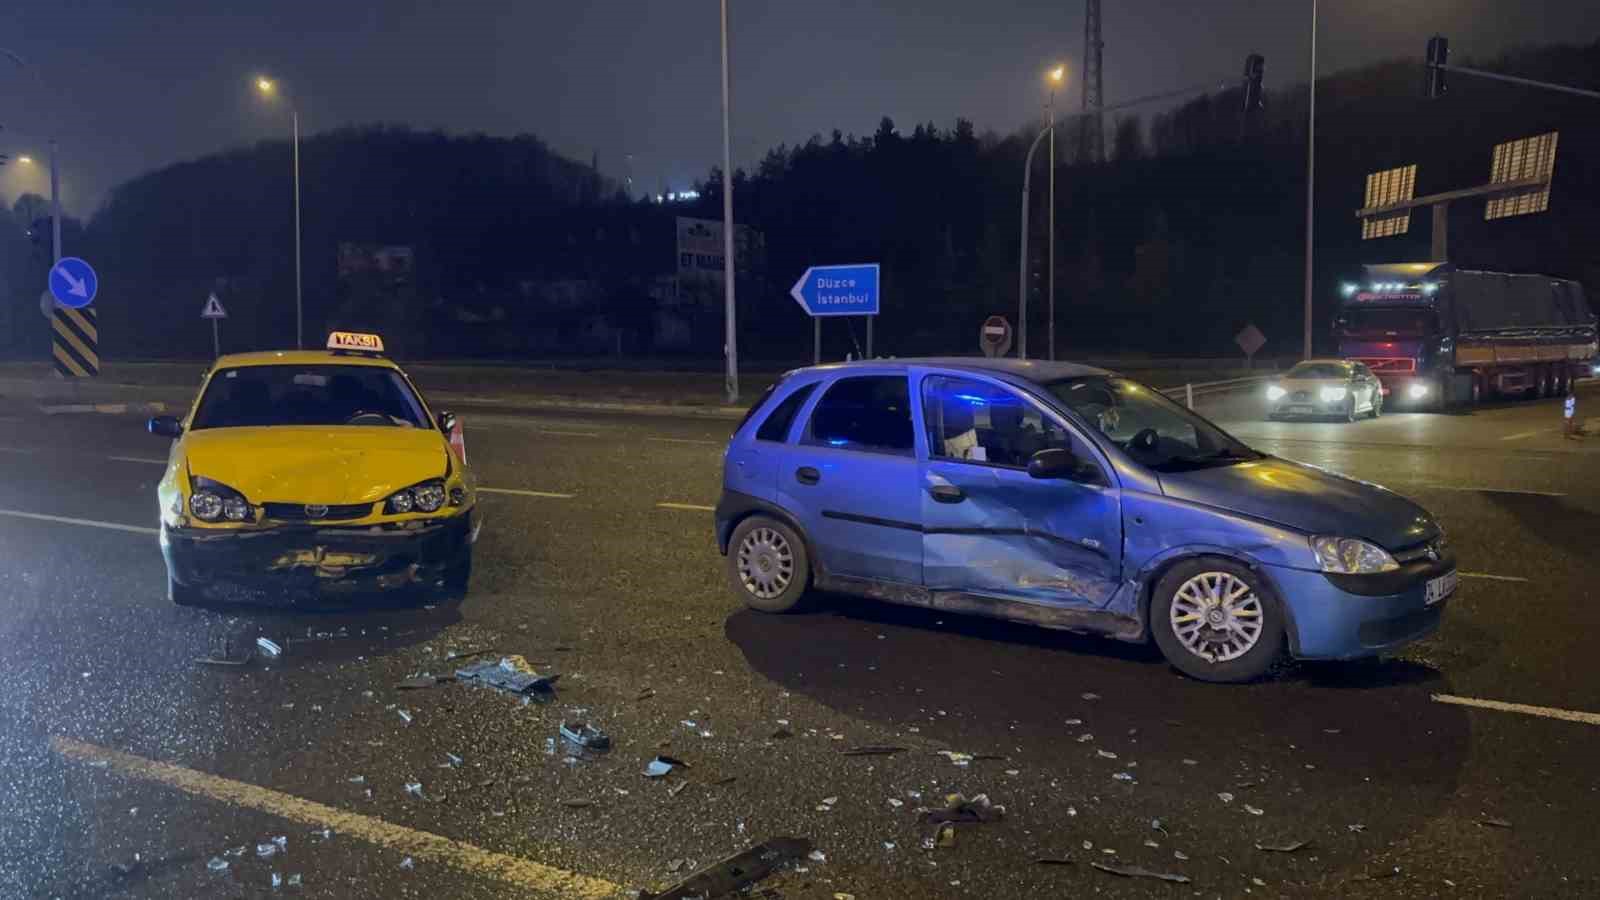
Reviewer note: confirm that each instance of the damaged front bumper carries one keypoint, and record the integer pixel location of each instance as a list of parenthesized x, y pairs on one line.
[(1354, 616), (314, 557)]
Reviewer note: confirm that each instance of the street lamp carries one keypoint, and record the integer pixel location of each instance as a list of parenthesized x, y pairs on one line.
[(1311, 176), (55, 181), (269, 89), (1056, 77)]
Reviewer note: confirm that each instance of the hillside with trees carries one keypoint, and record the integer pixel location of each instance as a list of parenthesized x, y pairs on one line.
[(1192, 228)]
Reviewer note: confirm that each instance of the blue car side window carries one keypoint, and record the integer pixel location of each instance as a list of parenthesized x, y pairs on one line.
[(870, 413), (976, 422)]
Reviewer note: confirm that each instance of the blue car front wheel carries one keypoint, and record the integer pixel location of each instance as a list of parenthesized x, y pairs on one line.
[(1216, 620)]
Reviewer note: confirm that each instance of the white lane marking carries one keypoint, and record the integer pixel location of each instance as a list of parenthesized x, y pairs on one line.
[(1492, 577), (685, 441), (139, 459), (564, 433), (692, 507), (1486, 490), (518, 493), (15, 450), (1522, 434), (540, 879), (1548, 712), (88, 523)]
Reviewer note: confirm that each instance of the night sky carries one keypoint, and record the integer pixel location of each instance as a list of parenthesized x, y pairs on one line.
[(133, 86)]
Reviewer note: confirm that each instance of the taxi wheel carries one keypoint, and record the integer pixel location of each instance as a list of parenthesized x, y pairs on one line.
[(1215, 620), (767, 565), (1377, 405), (182, 594)]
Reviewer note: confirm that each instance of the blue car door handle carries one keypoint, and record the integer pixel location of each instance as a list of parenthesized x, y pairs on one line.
[(807, 475), (946, 493)]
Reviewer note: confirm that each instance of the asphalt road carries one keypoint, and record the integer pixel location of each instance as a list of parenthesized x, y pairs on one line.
[(126, 766)]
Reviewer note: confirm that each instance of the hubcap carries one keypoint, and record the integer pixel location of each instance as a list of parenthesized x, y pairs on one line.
[(1217, 616), (766, 563)]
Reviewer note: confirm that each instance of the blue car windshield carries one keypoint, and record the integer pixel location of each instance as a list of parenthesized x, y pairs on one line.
[(1154, 431)]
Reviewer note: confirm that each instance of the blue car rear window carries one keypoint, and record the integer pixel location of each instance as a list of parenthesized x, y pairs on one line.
[(776, 426)]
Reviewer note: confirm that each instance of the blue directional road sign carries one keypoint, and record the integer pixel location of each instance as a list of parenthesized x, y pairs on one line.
[(73, 283), (838, 290)]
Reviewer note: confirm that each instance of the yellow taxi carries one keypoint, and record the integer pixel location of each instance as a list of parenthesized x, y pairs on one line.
[(310, 470)]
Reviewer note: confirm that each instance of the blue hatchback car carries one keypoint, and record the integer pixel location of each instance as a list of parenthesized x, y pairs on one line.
[(1068, 497)]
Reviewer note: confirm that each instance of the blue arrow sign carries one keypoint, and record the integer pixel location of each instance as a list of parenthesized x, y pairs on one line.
[(73, 282), (838, 290)]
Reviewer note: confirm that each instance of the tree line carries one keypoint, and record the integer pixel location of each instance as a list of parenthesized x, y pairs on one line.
[(1189, 230)]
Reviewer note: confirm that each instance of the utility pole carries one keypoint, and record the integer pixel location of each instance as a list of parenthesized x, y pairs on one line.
[(730, 332), (1094, 138), (1311, 177)]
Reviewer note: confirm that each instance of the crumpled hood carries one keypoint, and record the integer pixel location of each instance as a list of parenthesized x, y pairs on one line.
[(1307, 499), (331, 465)]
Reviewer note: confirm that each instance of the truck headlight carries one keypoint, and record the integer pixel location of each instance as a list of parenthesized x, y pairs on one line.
[(1417, 391), (1275, 392), (1350, 556), (1332, 394)]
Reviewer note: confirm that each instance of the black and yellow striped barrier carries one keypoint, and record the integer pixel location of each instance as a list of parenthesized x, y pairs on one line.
[(76, 340)]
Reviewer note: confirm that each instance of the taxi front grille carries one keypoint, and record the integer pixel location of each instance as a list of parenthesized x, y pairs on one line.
[(301, 512)]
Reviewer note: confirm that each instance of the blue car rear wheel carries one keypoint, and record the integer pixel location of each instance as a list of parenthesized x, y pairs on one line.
[(1216, 620), (767, 565)]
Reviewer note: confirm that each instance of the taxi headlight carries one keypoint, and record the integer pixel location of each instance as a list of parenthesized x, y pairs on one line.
[(1349, 556), (426, 497), (1275, 393), (1332, 394), (213, 501)]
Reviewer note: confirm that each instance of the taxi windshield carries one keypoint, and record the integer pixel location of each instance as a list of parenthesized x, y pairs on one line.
[(1151, 429), (308, 395)]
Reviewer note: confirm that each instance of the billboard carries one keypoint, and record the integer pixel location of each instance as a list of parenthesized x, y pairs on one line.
[(1530, 159), (700, 254), (1384, 188)]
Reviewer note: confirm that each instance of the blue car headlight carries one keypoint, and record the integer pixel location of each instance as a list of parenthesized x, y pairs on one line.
[(1351, 556)]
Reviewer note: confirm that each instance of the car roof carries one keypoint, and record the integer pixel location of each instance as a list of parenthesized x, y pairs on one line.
[(1035, 370), (300, 358), (1324, 362)]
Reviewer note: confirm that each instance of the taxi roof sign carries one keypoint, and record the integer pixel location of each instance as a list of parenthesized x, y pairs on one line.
[(355, 340)]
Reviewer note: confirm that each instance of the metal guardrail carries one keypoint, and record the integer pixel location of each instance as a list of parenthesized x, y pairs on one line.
[(1188, 392)]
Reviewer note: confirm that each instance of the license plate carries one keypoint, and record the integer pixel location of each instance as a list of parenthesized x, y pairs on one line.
[(1440, 588), (1300, 410)]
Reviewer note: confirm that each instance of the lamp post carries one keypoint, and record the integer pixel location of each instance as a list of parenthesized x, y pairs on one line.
[(730, 334), (1056, 76), (269, 88), (1311, 176), (55, 179)]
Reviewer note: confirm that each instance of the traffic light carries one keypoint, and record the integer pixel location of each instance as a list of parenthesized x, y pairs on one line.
[(1254, 66), (1438, 55)]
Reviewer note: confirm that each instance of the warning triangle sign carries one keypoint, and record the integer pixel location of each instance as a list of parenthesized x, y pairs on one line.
[(213, 309)]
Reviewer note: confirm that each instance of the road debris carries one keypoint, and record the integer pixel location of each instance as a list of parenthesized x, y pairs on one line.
[(676, 864), (405, 715), (1253, 810), (827, 804), (957, 808), (294, 880), (422, 682), (956, 757), (661, 765), (896, 803), (277, 881), (225, 657), (645, 694), (1495, 823), (1090, 695), (873, 750), (269, 647), (1225, 797), (217, 864), (586, 736), (780, 734), (1137, 872), (1105, 754), (1180, 856), (452, 761), (738, 871), (1356, 829), (817, 856), (408, 863), (414, 788), (1125, 776), (677, 789), (1053, 861), (467, 654), (1155, 825), (1283, 848), (945, 837), (1085, 738), (510, 673)]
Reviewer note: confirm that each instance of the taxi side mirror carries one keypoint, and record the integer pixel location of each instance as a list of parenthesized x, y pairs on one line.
[(165, 426), (447, 421)]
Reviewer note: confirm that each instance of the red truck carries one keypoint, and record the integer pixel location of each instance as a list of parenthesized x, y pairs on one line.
[(1440, 336)]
